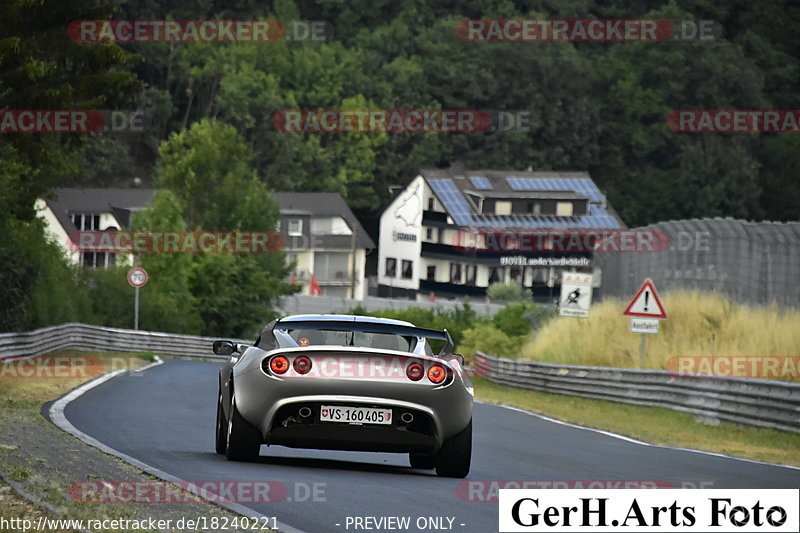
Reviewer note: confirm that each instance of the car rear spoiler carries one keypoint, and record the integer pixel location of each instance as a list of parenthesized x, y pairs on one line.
[(373, 327)]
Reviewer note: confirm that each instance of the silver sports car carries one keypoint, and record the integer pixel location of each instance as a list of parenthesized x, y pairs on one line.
[(344, 382)]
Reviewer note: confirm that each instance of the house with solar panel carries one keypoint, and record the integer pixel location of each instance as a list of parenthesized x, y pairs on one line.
[(436, 233)]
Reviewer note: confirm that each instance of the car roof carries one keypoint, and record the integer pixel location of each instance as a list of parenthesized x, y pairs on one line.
[(340, 318)]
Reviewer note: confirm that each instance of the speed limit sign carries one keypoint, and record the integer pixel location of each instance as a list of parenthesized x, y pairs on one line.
[(137, 277)]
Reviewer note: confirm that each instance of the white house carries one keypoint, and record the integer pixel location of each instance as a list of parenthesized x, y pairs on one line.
[(325, 240), (67, 211), (422, 246), (321, 234)]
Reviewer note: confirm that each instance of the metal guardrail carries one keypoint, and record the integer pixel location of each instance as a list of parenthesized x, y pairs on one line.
[(755, 402), (74, 336)]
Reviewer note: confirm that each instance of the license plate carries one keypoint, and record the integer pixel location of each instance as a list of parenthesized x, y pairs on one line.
[(355, 415)]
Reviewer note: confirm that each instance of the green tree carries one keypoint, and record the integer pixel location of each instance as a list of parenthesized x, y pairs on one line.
[(41, 68), (211, 186), (167, 302)]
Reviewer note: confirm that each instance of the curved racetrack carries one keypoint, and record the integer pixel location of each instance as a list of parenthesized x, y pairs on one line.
[(164, 417)]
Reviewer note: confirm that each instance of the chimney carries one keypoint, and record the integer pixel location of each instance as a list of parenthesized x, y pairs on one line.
[(457, 169)]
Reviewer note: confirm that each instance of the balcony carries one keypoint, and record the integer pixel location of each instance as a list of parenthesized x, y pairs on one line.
[(329, 278)]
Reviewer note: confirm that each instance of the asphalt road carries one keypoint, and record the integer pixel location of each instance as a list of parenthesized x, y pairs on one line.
[(165, 418)]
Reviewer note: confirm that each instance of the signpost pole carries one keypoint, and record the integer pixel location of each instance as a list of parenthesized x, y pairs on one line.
[(642, 347), (137, 278), (136, 309)]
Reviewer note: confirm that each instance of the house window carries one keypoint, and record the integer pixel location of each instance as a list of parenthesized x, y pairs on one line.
[(295, 228), (534, 208), (431, 202), (407, 272), (455, 272), (431, 273), (502, 207), (98, 259), (428, 234), (472, 273), (564, 209), (495, 275), (391, 267), (86, 222), (332, 266)]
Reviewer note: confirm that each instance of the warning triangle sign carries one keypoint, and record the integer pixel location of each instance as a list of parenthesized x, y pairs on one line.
[(646, 303)]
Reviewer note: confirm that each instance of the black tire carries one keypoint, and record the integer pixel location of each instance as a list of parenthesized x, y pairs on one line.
[(243, 440), (455, 455), (424, 461), (222, 428)]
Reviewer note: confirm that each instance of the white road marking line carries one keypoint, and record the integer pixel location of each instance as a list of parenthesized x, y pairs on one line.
[(634, 441), (57, 416)]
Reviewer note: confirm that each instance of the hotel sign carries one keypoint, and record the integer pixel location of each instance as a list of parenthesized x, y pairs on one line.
[(406, 237)]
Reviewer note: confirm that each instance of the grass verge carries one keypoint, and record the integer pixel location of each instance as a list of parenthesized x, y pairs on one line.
[(655, 425), (700, 324), (46, 462)]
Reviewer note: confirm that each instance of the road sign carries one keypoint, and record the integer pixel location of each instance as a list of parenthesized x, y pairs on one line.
[(576, 294), (644, 325), (646, 303), (137, 277)]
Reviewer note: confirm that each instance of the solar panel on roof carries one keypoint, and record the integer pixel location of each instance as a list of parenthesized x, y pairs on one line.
[(463, 215), (480, 183), (583, 186), (453, 201)]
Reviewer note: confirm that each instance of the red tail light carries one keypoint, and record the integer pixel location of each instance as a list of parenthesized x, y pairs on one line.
[(415, 371), (279, 364), (302, 364), (436, 374)]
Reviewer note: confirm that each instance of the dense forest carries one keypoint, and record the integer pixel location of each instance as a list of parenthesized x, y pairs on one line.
[(595, 106)]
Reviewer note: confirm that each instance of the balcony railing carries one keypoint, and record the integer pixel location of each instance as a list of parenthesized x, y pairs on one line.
[(325, 277)]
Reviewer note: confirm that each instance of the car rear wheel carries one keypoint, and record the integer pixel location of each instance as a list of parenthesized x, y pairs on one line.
[(424, 461), (455, 455), (222, 428), (243, 440)]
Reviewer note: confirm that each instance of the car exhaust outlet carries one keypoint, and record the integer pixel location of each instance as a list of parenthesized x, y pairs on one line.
[(407, 418), (305, 412)]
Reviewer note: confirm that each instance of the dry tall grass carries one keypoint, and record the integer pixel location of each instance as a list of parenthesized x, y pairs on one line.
[(699, 324)]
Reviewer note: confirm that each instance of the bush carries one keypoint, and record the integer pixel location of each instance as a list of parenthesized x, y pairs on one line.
[(513, 319), (508, 292), (490, 340), (455, 321)]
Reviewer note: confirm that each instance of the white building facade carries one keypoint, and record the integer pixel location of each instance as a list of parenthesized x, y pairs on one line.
[(433, 234)]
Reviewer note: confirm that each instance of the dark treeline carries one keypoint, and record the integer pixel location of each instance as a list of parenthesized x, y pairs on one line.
[(600, 107)]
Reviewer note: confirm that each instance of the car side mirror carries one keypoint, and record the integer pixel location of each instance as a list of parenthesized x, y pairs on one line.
[(223, 347)]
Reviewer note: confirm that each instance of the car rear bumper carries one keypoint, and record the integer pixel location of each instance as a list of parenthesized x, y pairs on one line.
[(272, 406)]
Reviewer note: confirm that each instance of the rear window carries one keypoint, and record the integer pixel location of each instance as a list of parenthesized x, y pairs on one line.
[(328, 337)]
